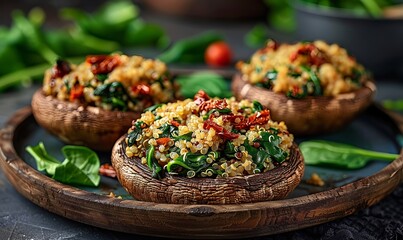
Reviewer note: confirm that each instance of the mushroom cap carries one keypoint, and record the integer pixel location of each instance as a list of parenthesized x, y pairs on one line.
[(78, 124), (274, 184), (311, 115)]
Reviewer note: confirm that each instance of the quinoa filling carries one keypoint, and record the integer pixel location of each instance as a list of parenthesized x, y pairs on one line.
[(111, 82), (304, 69), (208, 137)]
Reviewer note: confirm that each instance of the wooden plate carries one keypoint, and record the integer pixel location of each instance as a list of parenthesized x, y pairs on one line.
[(307, 206)]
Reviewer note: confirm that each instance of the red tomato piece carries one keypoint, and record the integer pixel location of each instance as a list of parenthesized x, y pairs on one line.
[(76, 92)]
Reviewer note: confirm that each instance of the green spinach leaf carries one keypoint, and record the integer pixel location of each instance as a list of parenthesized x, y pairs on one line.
[(80, 167), (340, 155)]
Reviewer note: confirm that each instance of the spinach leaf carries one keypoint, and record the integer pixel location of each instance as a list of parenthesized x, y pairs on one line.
[(81, 164), (113, 93), (394, 105), (153, 108), (257, 106), (168, 130), (271, 143), (110, 21), (212, 83), (187, 137), (315, 80), (132, 136), (152, 163), (257, 36), (222, 111), (191, 49), (229, 149), (192, 162), (340, 155), (44, 161), (196, 161)]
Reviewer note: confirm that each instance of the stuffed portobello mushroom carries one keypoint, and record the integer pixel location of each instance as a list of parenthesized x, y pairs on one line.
[(207, 151), (94, 103), (314, 87)]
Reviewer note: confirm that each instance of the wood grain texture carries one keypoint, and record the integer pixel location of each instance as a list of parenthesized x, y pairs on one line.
[(81, 125), (189, 221), (137, 179), (310, 115)]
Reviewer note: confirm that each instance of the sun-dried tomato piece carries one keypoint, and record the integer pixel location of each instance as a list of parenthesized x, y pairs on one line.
[(315, 55), (141, 89), (107, 170), (200, 97), (102, 64), (259, 118), (238, 121), (221, 131), (213, 104), (61, 69), (271, 45)]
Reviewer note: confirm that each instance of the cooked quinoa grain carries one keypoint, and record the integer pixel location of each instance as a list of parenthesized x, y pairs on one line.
[(126, 83), (208, 137), (304, 69)]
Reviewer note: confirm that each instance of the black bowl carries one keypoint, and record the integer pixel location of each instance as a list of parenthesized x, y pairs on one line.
[(377, 43)]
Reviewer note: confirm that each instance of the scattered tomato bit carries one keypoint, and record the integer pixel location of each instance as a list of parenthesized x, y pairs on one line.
[(107, 170), (113, 195)]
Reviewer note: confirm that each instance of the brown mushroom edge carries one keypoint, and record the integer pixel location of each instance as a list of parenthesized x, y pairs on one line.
[(275, 184), (311, 115), (81, 125)]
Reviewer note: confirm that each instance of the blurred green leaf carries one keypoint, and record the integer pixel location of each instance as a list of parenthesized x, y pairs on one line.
[(257, 36), (213, 84)]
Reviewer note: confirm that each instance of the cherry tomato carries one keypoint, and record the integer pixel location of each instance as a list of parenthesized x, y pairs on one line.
[(218, 54)]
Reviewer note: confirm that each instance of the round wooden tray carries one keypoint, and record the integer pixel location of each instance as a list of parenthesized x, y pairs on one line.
[(305, 207)]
